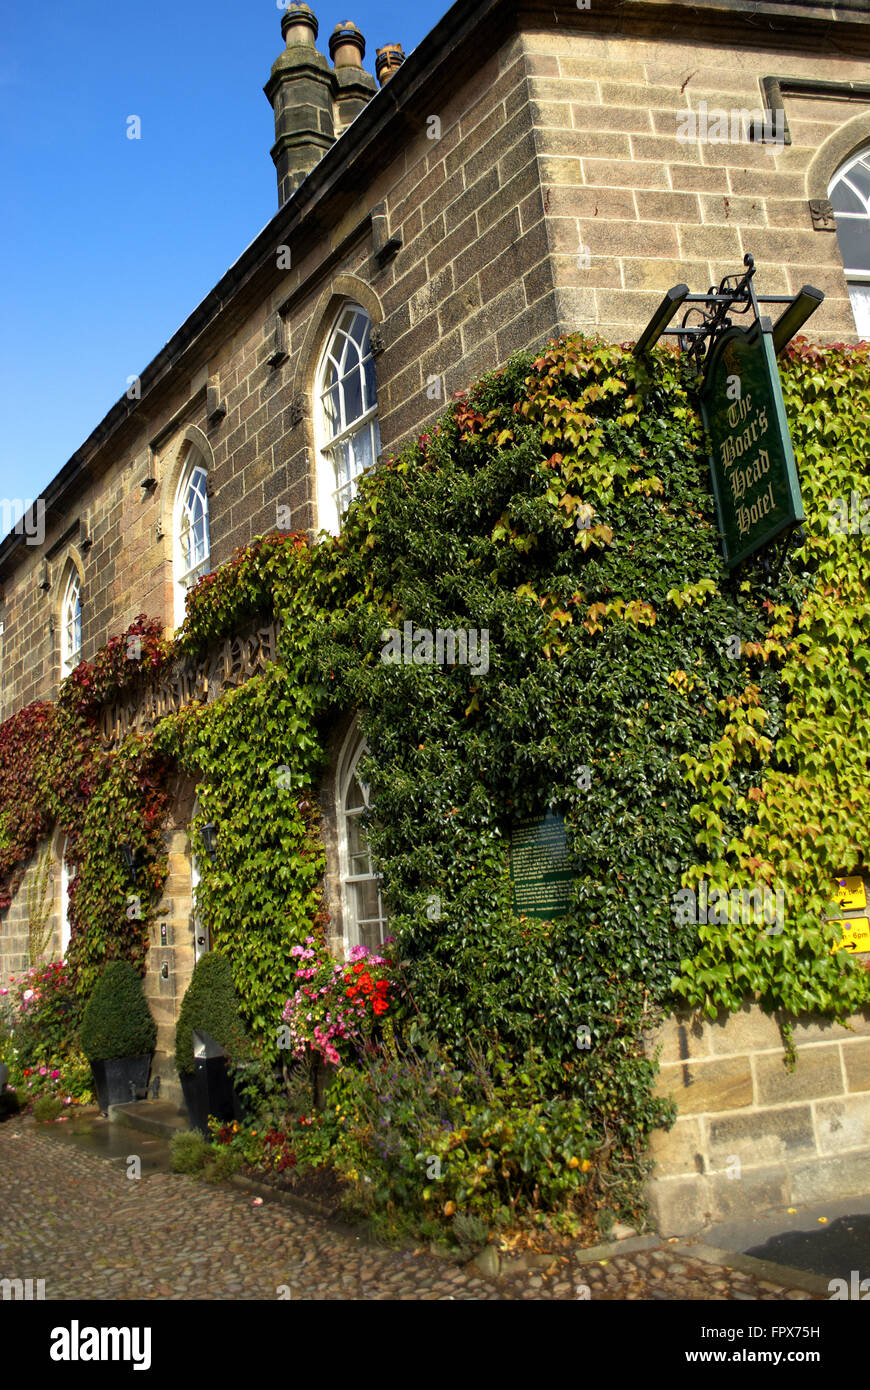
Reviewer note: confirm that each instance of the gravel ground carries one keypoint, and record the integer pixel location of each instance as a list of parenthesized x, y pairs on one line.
[(77, 1221)]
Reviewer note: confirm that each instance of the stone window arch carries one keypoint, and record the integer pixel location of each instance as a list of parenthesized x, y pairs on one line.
[(346, 413), (191, 536), (363, 912), (849, 193)]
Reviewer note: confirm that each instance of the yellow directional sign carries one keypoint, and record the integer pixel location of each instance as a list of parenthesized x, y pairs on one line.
[(851, 893), (856, 936)]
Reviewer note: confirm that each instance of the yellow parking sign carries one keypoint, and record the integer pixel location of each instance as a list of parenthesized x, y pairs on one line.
[(856, 935), (851, 893)]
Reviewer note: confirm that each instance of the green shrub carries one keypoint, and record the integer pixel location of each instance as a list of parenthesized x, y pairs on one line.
[(223, 1164), (189, 1151), (117, 1021), (210, 1005), (46, 1109)]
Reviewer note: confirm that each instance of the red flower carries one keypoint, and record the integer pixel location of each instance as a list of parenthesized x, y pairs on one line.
[(380, 1005)]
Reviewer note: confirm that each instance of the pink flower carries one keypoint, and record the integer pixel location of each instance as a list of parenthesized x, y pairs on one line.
[(55, 1075), (43, 1071)]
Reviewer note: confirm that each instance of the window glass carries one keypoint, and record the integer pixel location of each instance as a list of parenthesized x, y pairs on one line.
[(71, 625), (191, 530), (365, 918), (849, 193), (350, 438)]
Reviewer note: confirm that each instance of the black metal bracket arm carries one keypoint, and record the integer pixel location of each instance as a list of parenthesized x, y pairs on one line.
[(709, 315)]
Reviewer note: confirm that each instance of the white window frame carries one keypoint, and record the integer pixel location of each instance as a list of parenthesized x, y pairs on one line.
[(199, 930), (67, 874), (71, 614), (355, 747), (331, 505), (857, 277), (185, 575)]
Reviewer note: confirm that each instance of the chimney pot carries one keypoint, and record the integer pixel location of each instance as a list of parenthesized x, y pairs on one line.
[(295, 21), (347, 47), (389, 58)]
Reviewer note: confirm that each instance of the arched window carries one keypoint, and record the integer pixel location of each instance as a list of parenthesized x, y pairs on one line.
[(849, 193), (363, 910), (190, 531), (71, 624), (347, 414), (67, 874)]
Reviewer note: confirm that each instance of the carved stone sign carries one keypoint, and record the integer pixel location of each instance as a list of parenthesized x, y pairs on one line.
[(540, 867), (235, 662)]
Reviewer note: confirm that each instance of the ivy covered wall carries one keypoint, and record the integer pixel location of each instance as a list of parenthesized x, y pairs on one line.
[(564, 509)]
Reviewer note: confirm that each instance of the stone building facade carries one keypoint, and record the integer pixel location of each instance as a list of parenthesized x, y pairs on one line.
[(527, 171)]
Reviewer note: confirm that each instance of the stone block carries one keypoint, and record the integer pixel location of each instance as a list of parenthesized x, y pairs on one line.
[(667, 207), (817, 1073), (716, 243), (678, 1150), (843, 1124), (609, 173), (661, 273), (814, 1028), (748, 1030), (856, 1060), (680, 1037), (753, 1191), (612, 118), (760, 1136), (728, 209), (679, 1206), (701, 1087), (690, 178), (646, 240), (827, 1179)]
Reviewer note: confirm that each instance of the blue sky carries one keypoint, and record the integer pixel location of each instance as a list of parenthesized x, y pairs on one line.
[(107, 244)]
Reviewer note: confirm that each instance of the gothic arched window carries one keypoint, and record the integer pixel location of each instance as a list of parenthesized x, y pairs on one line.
[(849, 193), (363, 909), (190, 531), (67, 874), (71, 624), (347, 400)]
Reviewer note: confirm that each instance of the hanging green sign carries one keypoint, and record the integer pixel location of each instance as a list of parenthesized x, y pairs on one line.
[(755, 482)]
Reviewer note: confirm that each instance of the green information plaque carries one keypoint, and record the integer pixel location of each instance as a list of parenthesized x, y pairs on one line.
[(755, 482), (541, 872)]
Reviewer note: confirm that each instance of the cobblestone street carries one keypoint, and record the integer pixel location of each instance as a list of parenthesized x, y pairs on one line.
[(74, 1219)]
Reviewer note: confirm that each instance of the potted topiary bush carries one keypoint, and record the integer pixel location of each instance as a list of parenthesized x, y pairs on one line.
[(209, 1033), (118, 1034)]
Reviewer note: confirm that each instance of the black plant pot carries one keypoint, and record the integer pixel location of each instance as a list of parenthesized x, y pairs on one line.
[(209, 1091), (113, 1078)]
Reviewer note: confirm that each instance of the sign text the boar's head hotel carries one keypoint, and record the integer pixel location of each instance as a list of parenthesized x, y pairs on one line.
[(755, 481)]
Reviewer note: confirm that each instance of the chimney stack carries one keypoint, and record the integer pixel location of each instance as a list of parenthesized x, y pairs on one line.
[(313, 102), (353, 87), (389, 58)]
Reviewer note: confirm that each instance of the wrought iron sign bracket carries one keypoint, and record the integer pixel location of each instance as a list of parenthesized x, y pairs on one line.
[(710, 315)]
